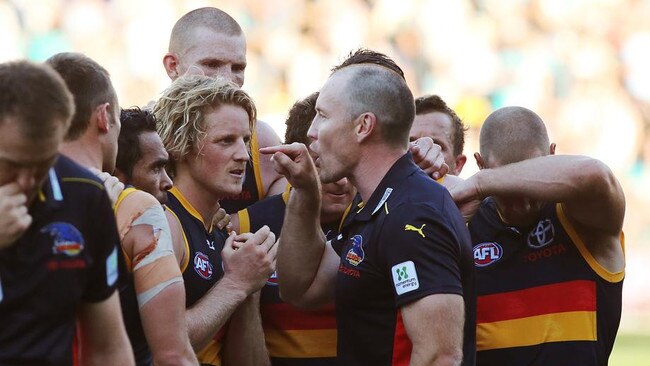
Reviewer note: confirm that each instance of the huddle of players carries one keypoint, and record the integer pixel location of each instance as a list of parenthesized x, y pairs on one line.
[(378, 253)]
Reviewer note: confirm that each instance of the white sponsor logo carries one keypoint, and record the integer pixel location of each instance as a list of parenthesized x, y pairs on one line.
[(542, 235), (405, 277)]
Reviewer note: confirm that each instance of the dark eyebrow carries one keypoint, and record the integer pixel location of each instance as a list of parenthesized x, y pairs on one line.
[(160, 162)]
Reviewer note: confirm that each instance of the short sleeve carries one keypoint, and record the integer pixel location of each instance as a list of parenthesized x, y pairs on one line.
[(420, 252), (107, 264)]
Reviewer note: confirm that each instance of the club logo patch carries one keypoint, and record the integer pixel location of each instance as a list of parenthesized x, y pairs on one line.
[(542, 235), (67, 239), (487, 253), (355, 255), (202, 265), (273, 280), (405, 278)]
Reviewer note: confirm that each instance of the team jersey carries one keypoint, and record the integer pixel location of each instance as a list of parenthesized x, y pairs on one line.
[(294, 337), (153, 267), (542, 298), (202, 266), (68, 256), (252, 188), (408, 241)]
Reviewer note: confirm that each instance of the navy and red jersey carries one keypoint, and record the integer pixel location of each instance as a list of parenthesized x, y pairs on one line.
[(67, 257), (252, 188), (407, 242), (202, 266), (542, 297), (294, 337)]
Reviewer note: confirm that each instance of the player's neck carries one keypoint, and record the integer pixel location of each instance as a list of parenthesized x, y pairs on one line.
[(87, 155), (372, 168), (201, 200)]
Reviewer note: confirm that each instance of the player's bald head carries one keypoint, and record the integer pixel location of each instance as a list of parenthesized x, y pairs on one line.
[(382, 91), (208, 17), (513, 134)]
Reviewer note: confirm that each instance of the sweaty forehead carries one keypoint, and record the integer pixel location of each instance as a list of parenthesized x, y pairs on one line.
[(333, 90), (434, 124), (204, 42), (151, 144)]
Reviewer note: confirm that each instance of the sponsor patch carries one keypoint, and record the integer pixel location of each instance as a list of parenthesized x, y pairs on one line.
[(418, 230), (67, 239), (405, 278), (487, 253), (202, 265), (356, 254), (542, 235), (111, 268)]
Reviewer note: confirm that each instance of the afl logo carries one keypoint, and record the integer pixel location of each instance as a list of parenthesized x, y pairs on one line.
[(487, 253), (202, 265)]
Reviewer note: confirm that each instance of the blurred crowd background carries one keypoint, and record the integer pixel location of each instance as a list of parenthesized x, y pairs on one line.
[(583, 65)]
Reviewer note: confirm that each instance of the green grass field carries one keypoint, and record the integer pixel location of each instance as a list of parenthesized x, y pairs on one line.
[(631, 350)]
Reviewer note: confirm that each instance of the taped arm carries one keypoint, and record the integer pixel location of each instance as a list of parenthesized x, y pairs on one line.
[(158, 281)]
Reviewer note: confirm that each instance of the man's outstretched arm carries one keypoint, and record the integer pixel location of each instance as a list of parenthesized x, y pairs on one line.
[(306, 264)]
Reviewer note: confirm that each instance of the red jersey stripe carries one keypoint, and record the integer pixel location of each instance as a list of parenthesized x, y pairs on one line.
[(401, 343), (285, 316), (579, 295)]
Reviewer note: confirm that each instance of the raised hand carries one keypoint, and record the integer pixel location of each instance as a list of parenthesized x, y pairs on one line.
[(295, 163), (428, 156), (249, 259), (15, 218)]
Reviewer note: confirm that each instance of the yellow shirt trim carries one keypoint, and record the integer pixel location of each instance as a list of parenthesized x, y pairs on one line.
[(186, 257), (84, 180), (187, 205), (255, 158), (286, 194), (125, 192), (244, 221), (345, 214), (601, 271)]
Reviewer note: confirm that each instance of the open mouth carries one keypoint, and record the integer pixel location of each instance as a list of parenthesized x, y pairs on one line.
[(336, 194), (238, 172)]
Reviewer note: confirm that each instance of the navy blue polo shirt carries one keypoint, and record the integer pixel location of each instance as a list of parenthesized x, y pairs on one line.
[(407, 242), (68, 256)]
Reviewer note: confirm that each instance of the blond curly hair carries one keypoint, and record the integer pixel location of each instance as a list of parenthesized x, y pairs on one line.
[(180, 110)]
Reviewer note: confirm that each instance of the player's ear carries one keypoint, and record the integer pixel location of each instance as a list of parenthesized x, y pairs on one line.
[(479, 160), (551, 149), (101, 118), (170, 61), (364, 125)]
